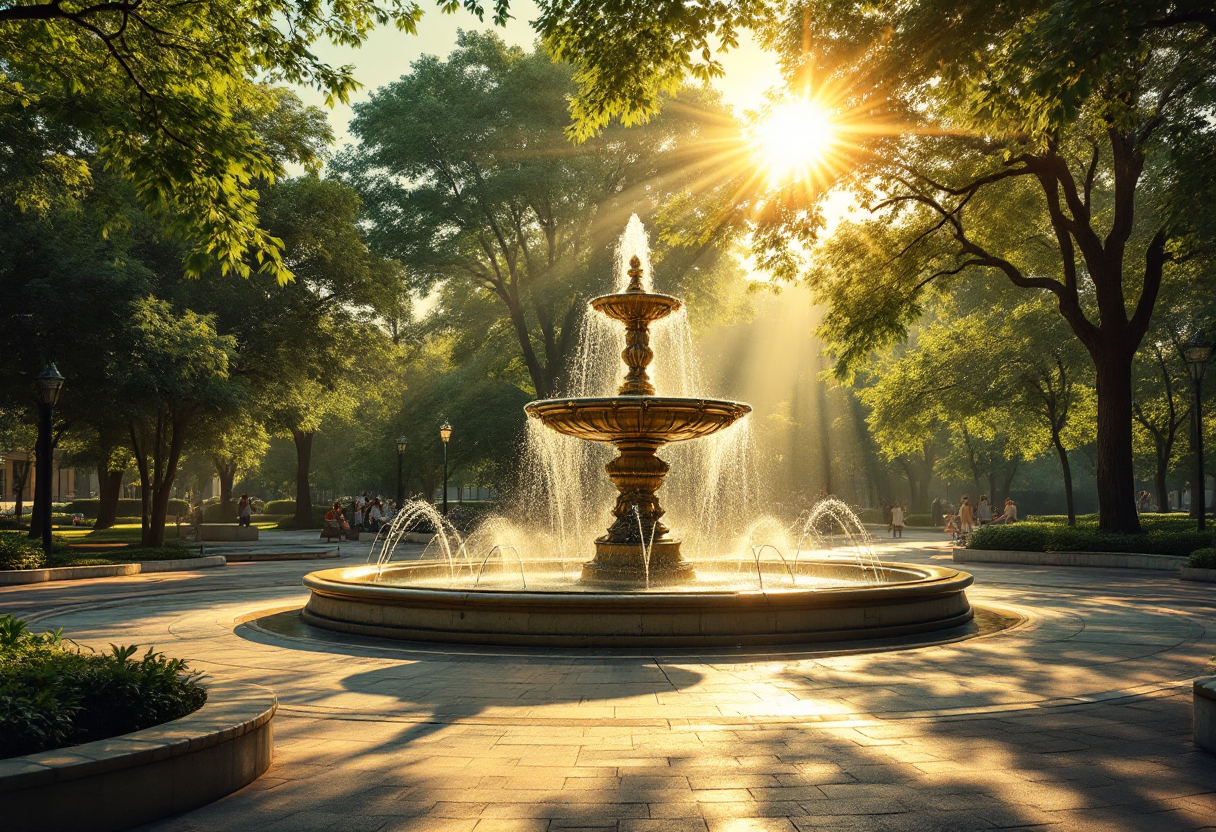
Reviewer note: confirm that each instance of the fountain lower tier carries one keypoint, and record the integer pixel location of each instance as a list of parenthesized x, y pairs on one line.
[(402, 601), (638, 549)]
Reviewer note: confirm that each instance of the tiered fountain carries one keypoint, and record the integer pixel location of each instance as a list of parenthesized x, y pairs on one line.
[(638, 550), (638, 589)]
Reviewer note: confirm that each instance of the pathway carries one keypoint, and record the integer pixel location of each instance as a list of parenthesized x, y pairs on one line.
[(1076, 719)]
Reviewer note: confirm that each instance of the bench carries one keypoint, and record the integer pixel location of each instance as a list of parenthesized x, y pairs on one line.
[(332, 530)]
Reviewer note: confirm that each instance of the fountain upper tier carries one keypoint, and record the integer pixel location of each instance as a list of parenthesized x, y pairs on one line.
[(638, 419), (637, 550)]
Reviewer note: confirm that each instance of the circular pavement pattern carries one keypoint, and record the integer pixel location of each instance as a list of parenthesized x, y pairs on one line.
[(1066, 705)]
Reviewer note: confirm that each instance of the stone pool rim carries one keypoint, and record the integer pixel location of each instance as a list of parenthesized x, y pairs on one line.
[(931, 598)]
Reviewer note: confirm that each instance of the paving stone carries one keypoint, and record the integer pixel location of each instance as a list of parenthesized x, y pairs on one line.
[(1015, 730)]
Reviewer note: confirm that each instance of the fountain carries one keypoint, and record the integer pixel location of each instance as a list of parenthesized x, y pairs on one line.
[(511, 583), (638, 549)]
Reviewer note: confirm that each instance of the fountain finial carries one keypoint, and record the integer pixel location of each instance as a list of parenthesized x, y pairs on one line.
[(635, 274)]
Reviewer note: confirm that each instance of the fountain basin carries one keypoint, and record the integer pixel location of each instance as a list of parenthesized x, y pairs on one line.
[(652, 419), (380, 601)]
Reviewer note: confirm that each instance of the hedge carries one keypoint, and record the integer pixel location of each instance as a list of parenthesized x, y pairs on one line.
[(279, 507), (1203, 558), (1035, 536), (54, 694), (126, 508)]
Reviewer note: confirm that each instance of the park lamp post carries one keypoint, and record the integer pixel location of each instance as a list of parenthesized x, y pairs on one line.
[(1196, 354), (401, 443), (445, 433), (50, 382)]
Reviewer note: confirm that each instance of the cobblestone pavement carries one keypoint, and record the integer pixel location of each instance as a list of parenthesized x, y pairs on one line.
[(1077, 718)]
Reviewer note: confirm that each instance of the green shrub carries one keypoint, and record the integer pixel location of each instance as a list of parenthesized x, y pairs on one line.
[(20, 552), (53, 694), (126, 507), (1037, 536), (1203, 558), (870, 515), (1020, 537), (279, 507), (918, 519)]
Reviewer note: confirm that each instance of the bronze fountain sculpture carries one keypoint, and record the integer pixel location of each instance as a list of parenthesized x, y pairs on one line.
[(638, 550)]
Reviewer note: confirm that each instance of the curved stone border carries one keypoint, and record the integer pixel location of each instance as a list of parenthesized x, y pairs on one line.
[(917, 599), (1105, 560), (1204, 709), (137, 778), (17, 577), (1194, 573)]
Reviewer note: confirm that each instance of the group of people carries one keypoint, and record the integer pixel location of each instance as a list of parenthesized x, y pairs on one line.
[(367, 513), (963, 523)]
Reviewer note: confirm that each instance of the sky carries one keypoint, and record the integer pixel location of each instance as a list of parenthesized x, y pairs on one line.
[(387, 54)]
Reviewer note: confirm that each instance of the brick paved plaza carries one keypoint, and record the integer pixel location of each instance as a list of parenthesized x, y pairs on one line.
[(1076, 717)]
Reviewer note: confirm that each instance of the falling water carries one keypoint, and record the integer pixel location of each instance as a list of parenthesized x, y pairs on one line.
[(712, 494)]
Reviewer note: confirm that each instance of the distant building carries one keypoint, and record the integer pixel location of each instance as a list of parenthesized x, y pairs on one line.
[(17, 470)]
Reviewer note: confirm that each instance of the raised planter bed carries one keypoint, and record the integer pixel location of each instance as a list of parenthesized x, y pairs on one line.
[(1204, 711), (1194, 573), (137, 778), (1104, 560), (17, 577)]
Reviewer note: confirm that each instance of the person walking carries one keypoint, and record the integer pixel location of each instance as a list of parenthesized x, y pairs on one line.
[(897, 520), (983, 512), (244, 510), (966, 516)]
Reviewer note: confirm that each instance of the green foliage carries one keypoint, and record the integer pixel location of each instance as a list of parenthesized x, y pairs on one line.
[(918, 519), (279, 507), (18, 551), (1203, 558), (53, 694), (1054, 537), (126, 507), (627, 54)]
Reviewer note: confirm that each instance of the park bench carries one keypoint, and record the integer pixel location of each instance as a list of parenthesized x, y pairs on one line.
[(332, 530)]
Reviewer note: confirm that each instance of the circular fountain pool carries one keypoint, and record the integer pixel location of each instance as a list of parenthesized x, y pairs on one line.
[(812, 601)]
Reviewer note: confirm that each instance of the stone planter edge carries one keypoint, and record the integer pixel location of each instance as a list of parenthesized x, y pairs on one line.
[(1110, 560), (1204, 712), (20, 577), (231, 734), (1195, 573)]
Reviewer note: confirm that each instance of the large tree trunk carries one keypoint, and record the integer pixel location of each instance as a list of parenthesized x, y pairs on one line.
[(303, 441), (1159, 483), (166, 473), (1115, 474), (21, 475), (226, 472), (109, 489)]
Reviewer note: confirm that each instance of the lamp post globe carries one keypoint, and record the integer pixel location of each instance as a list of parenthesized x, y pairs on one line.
[(402, 442), (50, 383), (1196, 354), (445, 433)]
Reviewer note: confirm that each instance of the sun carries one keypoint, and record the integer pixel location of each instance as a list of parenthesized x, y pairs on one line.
[(794, 138)]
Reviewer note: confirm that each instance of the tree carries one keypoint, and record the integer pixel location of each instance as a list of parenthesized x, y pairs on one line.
[(163, 92), (466, 176), (176, 370), (1080, 125)]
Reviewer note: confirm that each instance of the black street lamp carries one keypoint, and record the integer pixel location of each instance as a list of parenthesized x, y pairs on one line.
[(50, 382), (445, 433), (401, 443), (1196, 354)]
